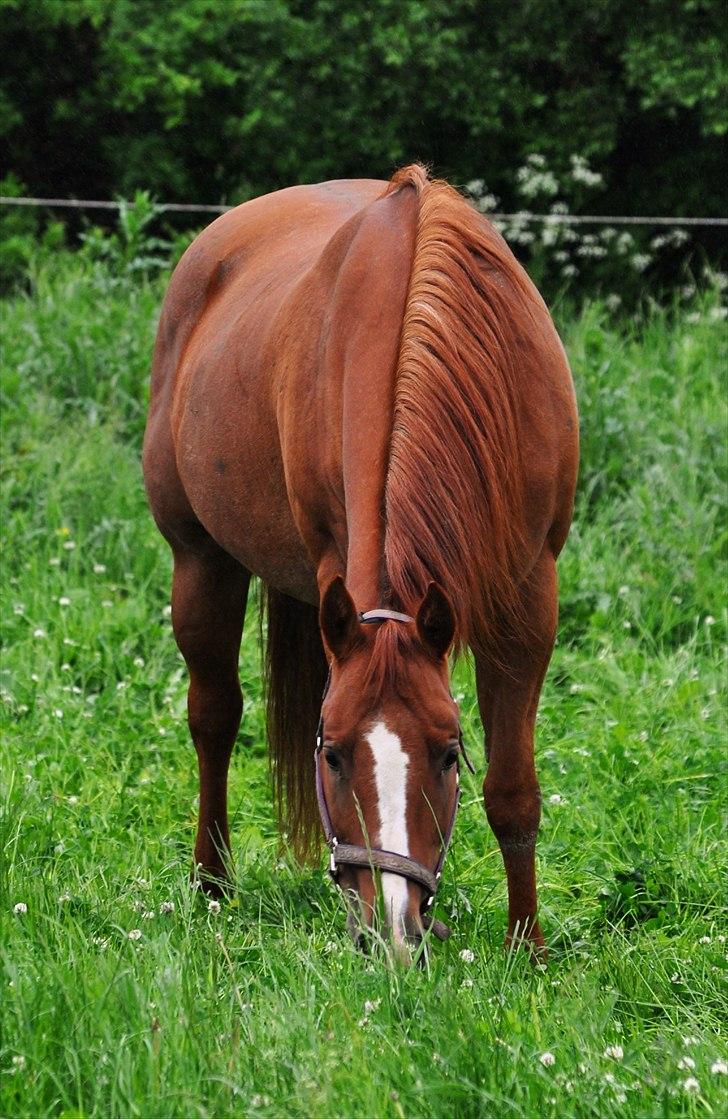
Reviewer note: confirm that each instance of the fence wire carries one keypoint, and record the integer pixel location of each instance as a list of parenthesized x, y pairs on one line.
[(520, 216)]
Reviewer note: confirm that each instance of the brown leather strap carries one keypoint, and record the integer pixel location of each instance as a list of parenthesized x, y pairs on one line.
[(346, 854)]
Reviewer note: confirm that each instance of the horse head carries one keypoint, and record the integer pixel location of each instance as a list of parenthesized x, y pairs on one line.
[(387, 760)]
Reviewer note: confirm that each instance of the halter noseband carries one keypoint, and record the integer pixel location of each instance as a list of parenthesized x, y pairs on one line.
[(391, 862)]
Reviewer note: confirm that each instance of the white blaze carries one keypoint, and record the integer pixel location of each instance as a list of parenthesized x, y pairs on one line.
[(390, 776)]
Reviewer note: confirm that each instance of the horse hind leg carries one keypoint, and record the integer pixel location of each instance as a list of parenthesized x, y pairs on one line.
[(209, 596), (508, 700)]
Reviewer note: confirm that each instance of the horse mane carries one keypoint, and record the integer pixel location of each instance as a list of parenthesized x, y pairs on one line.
[(453, 491)]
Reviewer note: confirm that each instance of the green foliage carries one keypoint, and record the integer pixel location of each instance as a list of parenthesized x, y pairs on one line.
[(202, 100), (265, 1008)]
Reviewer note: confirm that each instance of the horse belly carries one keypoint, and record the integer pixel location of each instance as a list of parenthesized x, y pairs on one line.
[(229, 462)]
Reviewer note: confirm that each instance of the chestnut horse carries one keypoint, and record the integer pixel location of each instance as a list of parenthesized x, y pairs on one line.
[(359, 396)]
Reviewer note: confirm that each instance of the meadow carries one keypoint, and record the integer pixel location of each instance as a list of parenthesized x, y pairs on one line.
[(123, 993)]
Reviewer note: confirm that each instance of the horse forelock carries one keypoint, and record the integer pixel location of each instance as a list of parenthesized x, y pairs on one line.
[(453, 489)]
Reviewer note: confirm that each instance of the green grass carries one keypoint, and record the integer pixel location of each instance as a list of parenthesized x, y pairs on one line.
[(265, 1008)]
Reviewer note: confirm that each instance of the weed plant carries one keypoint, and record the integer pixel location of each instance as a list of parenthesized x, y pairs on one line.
[(123, 993)]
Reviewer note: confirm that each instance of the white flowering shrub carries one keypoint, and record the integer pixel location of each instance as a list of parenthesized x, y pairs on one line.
[(560, 252)]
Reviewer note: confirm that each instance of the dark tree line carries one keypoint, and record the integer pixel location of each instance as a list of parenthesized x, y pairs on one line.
[(208, 100)]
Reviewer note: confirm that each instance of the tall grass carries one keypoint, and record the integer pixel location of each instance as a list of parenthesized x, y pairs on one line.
[(265, 1008)]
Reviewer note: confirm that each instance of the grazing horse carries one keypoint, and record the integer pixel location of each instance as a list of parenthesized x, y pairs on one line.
[(359, 397)]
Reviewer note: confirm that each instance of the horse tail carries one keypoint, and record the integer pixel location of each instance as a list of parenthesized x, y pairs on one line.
[(295, 671), (454, 486)]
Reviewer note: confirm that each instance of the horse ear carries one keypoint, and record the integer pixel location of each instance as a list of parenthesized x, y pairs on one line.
[(338, 619), (436, 621)]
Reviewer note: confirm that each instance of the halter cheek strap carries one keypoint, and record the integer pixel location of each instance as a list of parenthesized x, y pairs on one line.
[(390, 862)]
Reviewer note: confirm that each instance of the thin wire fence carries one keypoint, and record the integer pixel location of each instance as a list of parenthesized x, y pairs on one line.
[(521, 216)]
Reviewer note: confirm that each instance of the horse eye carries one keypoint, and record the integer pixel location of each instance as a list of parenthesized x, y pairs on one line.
[(450, 759), (332, 760)]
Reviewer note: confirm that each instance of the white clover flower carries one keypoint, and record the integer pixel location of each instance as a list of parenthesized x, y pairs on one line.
[(616, 1052), (148, 915), (686, 1063), (99, 568), (72, 799), (64, 600), (64, 897), (18, 1061), (556, 798), (69, 545), (58, 712), (467, 955), (690, 1040), (704, 940), (54, 561), (213, 906), (139, 662), (19, 908), (39, 633), (166, 907), (691, 1084), (547, 1059), (103, 941), (372, 1005), (709, 620), (331, 948), (134, 934), (467, 983), (719, 1067)]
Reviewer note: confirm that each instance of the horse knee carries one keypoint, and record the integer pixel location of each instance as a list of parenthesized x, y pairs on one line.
[(513, 814), (213, 714)]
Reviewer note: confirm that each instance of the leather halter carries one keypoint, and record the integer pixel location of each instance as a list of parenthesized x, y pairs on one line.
[(391, 862)]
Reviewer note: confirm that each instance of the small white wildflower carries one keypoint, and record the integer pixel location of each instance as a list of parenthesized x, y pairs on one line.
[(259, 1101), (623, 590), (18, 608), (613, 301), (106, 603), (643, 736), (213, 906), (372, 1005), (686, 1063), (719, 1067), (709, 620), (626, 625), (467, 955), (467, 983), (704, 940), (691, 1084), (134, 934), (69, 545), (19, 1061), (556, 798), (547, 1059), (139, 662), (101, 941), (720, 939), (19, 908), (39, 633), (148, 915), (55, 561), (616, 1052), (64, 600), (73, 799), (331, 947), (64, 897), (166, 907), (167, 611), (717, 314), (58, 712), (689, 1040), (99, 568), (675, 978)]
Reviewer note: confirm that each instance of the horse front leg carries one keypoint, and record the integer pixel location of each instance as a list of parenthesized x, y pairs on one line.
[(508, 695), (209, 596)]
